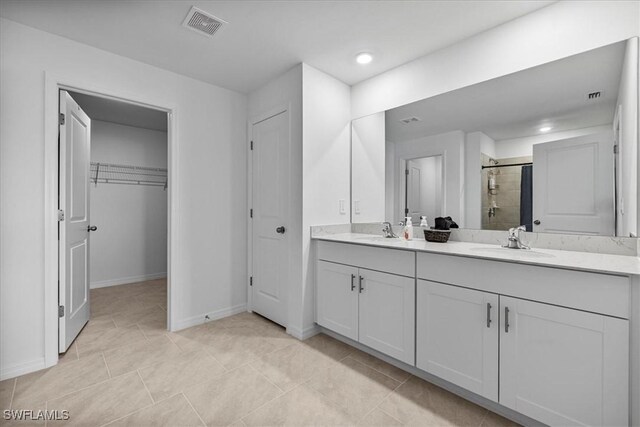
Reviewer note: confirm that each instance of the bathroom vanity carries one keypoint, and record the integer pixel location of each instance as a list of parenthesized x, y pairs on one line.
[(545, 333), (542, 335)]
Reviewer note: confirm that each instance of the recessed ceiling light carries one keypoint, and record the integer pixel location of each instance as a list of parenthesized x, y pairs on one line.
[(545, 129), (364, 58)]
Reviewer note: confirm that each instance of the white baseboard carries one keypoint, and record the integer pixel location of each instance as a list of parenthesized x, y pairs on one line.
[(303, 334), (125, 280), (213, 315), (21, 368)]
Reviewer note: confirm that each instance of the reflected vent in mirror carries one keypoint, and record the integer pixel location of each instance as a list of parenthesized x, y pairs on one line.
[(594, 95), (202, 22), (408, 120)]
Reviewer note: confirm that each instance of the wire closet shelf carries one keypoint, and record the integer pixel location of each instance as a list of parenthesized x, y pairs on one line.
[(107, 173)]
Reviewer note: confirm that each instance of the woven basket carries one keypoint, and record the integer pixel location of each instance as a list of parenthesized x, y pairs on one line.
[(437, 236)]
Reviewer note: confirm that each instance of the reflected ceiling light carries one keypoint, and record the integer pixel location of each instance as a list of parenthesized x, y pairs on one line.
[(545, 129), (364, 58)]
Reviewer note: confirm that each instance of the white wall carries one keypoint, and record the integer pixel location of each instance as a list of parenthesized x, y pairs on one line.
[(628, 142), (368, 168), (326, 146), (476, 143), (131, 242), (286, 91), (519, 147), (451, 146), (561, 29), (209, 275)]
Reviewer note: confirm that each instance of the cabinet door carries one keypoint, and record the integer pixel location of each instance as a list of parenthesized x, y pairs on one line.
[(562, 366), (457, 336), (387, 310), (337, 298)]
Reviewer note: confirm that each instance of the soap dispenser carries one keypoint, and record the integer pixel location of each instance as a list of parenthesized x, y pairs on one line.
[(423, 222), (407, 231)]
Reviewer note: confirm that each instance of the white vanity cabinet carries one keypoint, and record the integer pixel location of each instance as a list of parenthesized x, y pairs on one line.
[(337, 298), (556, 364), (374, 306), (457, 336), (563, 366)]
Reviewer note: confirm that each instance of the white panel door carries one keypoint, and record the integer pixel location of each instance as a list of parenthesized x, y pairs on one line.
[(337, 298), (573, 185), (386, 314), (457, 336), (270, 193), (75, 149), (563, 366), (413, 206)]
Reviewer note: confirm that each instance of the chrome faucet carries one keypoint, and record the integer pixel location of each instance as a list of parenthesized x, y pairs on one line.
[(513, 241), (387, 230)]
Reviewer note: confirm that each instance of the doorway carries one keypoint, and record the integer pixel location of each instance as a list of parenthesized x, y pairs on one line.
[(113, 219), (423, 189)]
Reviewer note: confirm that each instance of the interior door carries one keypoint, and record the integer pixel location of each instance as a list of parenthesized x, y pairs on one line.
[(562, 366), (413, 203), (75, 149), (270, 214), (573, 185), (457, 336)]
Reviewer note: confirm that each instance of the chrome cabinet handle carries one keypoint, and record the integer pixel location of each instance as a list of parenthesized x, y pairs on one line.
[(488, 315), (506, 319), (353, 282), (92, 228), (360, 287)]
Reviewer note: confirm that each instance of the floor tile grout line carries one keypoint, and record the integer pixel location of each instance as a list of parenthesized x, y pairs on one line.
[(193, 409), (145, 386), (83, 388), (266, 403), (13, 392), (106, 364), (380, 372), (266, 378), (385, 398)]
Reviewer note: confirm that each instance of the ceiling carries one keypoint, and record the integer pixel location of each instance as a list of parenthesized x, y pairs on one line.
[(123, 113), (265, 38), (518, 105)]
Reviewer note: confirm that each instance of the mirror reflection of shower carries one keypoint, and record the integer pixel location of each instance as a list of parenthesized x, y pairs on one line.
[(424, 188), (506, 200)]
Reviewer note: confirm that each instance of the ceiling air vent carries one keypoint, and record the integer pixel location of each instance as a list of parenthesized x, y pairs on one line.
[(594, 95), (202, 22), (410, 120)]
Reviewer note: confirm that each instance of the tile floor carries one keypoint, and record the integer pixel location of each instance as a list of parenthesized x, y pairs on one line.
[(125, 369)]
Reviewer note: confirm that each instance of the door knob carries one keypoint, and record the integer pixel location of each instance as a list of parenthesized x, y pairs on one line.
[(280, 229), (92, 228), (536, 222)]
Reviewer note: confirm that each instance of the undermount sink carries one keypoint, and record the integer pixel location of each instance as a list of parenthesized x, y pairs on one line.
[(524, 253)]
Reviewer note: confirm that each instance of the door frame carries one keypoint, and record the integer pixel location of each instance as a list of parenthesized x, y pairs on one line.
[(53, 83), (267, 114)]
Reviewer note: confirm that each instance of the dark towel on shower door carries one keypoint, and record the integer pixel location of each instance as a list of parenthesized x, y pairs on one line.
[(526, 197)]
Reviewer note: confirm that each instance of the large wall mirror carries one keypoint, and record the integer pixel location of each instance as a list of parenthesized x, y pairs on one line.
[(553, 148)]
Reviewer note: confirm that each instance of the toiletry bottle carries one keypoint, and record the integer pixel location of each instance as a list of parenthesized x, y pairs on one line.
[(423, 222), (407, 231)]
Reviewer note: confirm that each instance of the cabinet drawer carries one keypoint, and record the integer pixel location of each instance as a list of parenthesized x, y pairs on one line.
[(379, 259), (598, 293)]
